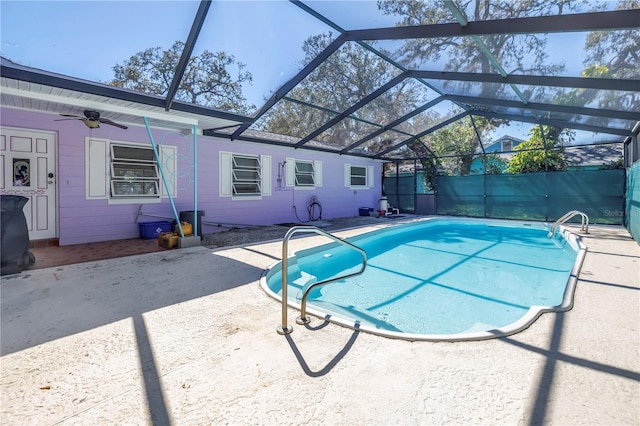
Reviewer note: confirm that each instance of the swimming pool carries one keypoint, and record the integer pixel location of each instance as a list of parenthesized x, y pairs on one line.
[(438, 279)]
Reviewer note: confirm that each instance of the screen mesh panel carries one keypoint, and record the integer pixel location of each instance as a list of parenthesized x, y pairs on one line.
[(400, 191), (633, 201), (535, 196)]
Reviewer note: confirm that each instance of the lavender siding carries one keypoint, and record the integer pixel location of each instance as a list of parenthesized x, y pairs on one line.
[(81, 220)]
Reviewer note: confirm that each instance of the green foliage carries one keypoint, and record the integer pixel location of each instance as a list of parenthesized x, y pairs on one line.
[(518, 54), (462, 54), (353, 72), (207, 81), (610, 54), (344, 78), (533, 156), (457, 143), (596, 71), (495, 164), (612, 165), (430, 173)]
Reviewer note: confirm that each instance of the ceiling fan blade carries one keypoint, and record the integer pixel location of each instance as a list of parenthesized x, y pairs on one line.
[(65, 119), (107, 121)]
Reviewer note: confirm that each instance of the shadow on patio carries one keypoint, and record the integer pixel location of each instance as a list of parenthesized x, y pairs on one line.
[(40, 306)]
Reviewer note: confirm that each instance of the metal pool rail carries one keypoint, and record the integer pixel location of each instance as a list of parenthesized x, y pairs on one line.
[(566, 217), (303, 319)]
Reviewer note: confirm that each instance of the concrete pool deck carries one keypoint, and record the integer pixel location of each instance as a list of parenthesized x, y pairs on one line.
[(188, 337)]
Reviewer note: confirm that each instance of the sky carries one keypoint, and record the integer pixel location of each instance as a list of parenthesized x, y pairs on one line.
[(86, 39)]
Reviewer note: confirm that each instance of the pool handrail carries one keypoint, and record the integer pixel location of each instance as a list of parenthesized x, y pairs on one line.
[(585, 222), (303, 319)]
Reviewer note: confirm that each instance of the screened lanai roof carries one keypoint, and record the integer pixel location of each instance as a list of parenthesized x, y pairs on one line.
[(366, 78)]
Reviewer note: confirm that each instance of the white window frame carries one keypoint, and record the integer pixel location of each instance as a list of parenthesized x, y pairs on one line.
[(241, 175), (231, 176), (505, 144), (295, 174), (362, 175), (99, 172), (146, 165), (302, 173), (348, 176)]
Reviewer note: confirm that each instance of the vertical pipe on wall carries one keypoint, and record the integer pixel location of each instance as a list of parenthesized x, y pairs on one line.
[(164, 179)]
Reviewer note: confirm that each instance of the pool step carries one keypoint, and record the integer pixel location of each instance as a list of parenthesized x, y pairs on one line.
[(303, 283), (304, 280)]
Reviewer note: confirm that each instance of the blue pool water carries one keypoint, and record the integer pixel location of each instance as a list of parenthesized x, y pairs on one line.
[(437, 279)]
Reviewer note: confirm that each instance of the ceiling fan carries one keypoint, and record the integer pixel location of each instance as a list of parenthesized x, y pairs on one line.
[(91, 119)]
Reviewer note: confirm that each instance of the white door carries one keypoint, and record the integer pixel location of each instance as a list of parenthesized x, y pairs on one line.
[(29, 169)]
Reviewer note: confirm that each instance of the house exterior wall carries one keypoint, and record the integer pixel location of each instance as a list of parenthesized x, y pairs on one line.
[(496, 146), (82, 220)]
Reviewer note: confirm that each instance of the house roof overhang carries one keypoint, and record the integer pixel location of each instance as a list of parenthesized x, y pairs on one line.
[(34, 89)]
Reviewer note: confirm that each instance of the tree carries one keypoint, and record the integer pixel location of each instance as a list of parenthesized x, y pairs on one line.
[(462, 53), (353, 72), (344, 78), (456, 144), (495, 164), (614, 54), (540, 154), (610, 55), (209, 79), (523, 53), (613, 164), (347, 76)]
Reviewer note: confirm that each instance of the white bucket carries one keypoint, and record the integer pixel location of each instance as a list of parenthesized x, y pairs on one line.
[(384, 204)]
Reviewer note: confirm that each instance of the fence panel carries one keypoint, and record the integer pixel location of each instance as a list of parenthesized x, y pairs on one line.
[(535, 196), (516, 196), (460, 195), (400, 192), (633, 201), (598, 193)]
